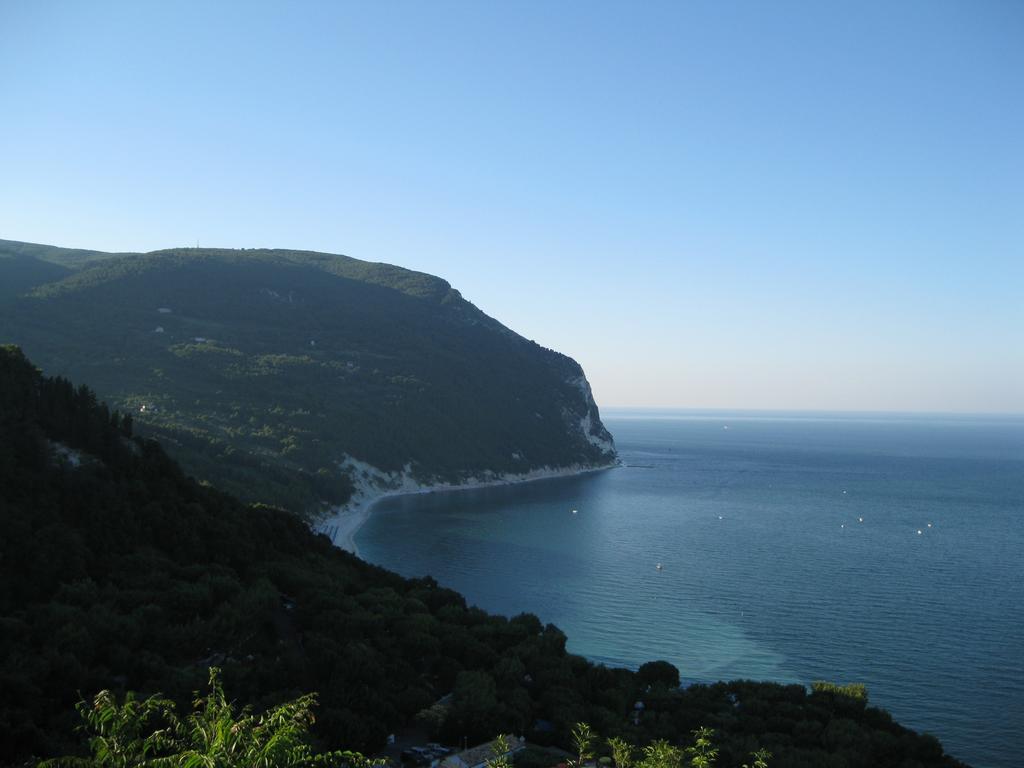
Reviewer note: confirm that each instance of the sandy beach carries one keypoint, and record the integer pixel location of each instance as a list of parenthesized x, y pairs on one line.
[(343, 522)]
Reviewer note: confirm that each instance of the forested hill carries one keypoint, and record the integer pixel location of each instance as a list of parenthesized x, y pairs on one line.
[(119, 572), (262, 371)]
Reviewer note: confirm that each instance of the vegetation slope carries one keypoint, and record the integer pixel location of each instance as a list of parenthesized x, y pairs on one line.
[(263, 370), (118, 572)]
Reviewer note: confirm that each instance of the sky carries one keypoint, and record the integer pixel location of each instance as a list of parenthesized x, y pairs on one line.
[(707, 204)]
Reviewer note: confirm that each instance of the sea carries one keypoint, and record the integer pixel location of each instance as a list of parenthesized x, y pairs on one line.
[(874, 548)]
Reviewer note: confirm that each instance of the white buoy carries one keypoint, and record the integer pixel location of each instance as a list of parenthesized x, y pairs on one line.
[(574, 511), (929, 525), (860, 519), (919, 531), (658, 566)]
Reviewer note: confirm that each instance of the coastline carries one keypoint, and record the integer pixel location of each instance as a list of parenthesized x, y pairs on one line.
[(343, 523)]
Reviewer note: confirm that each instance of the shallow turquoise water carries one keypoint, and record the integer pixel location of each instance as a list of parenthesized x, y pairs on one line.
[(767, 572)]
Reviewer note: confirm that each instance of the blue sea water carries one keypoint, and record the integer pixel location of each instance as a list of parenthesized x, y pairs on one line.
[(878, 549)]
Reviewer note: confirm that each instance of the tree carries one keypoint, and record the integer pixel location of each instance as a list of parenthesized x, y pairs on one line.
[(658, 673), (476, 709), (583, 740), (661, 754), (500, 752), (622, 752), (703, 752), (124, 735), (149, 734)]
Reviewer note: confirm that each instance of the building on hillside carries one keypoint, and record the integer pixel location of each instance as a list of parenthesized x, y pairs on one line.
[(477, 757)]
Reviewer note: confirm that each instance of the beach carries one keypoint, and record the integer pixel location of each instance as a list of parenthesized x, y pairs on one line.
[(343, 522)]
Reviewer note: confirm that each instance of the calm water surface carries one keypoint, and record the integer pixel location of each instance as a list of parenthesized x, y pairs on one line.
[(790, 551)]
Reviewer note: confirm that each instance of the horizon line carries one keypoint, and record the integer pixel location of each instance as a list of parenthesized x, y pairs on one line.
[(809, 411)]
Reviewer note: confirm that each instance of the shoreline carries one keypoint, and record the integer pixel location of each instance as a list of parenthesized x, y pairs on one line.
[(343, 523)]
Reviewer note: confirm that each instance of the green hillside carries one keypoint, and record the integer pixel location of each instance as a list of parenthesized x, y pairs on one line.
[(118, 572), (262, 370)]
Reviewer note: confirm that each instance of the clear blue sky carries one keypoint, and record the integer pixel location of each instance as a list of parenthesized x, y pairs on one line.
[(722, 204)]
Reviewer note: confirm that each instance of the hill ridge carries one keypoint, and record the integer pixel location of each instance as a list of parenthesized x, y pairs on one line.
[(263, 369)]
